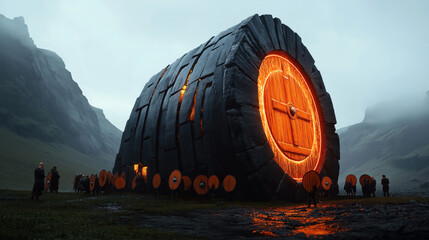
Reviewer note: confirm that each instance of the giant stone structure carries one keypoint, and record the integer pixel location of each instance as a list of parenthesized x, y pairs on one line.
[(249, 102)]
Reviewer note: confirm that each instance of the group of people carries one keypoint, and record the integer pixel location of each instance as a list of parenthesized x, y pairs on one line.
[(368, 187), (82, 184), (39, 181)]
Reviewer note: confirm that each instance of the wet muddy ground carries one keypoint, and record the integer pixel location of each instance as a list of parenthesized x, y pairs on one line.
[(327, 221), (135, 216)]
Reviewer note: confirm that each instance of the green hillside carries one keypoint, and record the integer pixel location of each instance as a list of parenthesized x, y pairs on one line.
[(19, 157)]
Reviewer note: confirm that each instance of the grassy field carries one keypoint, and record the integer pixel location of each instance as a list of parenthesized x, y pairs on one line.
[(19, 157), (72, 216), (113, 216)]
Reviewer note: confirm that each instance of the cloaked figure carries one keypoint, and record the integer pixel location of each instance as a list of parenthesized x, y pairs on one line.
[(366, 188), (312, 196), (55, 179), (348, 188), (96, 185), (39, 182), (385, 183), (372, 187), (86, 185)]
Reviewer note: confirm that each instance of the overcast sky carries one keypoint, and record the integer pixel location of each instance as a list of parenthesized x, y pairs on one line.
[(367, 51)]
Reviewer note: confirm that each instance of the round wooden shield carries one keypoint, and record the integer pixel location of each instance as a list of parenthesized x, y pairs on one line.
[(213, 182), (48, 181), (201, 184), (363, 178), (187, 183), (291, 115), (229, 183), (109, 177), (92, 182), (175, 179), (351, 178), (310, 180), (326, 183), (114, 177), (120, 183), (102, 179), (134, 183), (156, 181)]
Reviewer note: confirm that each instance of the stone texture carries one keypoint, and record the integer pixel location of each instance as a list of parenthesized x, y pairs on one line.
[(224, 135)]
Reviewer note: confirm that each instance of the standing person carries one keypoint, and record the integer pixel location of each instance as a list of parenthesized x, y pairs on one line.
[(55, 178), (366, 188), (312, 197), (39, 182), (348, 188), (354, 190), (385, 183), (372, 186)]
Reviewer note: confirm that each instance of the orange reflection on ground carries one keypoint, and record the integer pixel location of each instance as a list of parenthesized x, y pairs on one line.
[(289, 221)]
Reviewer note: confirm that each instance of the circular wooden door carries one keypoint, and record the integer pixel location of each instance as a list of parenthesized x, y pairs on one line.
[(201, 184), (175, 179), (213, 182), (187, 183), (310, 180), (326, 183), (229, 183), (351, 178), (102, 179), (291, 115)]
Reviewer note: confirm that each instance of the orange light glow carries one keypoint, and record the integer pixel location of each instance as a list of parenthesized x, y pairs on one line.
[(144, 173), (181, 93), (272, 222), (291, 115), (136, 168)]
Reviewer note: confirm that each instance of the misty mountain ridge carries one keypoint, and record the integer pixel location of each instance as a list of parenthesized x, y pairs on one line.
[(393, 139), (40, 100)]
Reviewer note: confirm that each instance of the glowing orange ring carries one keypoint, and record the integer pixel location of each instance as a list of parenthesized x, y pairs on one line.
[(280, 61)]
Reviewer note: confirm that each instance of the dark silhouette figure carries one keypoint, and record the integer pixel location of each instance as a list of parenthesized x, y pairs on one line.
[(385, 183), (348, 188), (372, 187), (77, 178), (312, 197), (55, 178), (39, 182), (140, 184), (366, 188), (354, 190), (96, 185), (86, 185)]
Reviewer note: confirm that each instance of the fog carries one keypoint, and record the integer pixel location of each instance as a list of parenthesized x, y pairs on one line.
[(367, 51)]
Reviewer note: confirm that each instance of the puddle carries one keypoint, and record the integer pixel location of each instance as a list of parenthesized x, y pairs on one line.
[(291, 221)]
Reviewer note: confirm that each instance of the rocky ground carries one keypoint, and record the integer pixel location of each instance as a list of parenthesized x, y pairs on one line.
[(134, 216), (327, 221)]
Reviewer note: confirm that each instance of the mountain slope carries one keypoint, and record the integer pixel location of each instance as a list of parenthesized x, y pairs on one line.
[(40, 103), (393, 139)]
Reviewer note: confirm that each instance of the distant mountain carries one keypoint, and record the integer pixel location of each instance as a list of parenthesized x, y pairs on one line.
[(393, 139), (42, 107)]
